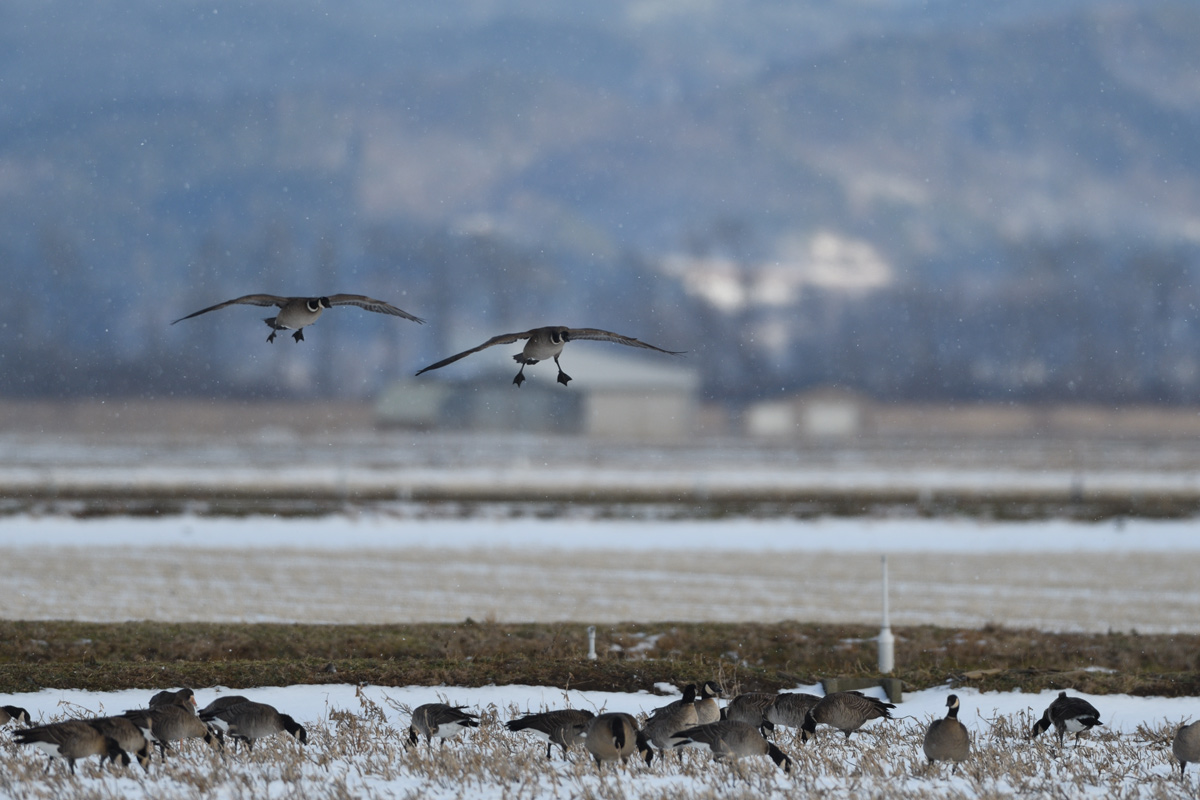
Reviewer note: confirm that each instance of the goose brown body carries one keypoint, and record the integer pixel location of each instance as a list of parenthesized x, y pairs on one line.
[(790, 708), (248, 721), (846, 711), (1186, 746), (170, 723), (667, 720), (751, 708), (731, 739), (71, 741), (129, 737), (1067, 715), (563, 727), (220, 704), (439, 721), (947, 739), (180, 697), (615, 736)]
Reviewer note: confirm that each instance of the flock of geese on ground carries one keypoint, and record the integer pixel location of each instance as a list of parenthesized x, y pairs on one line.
[(297, 313), (740, 729), (695, 720), (171, 716)]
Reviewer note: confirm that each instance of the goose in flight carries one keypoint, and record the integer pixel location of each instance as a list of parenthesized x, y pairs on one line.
[(297, 313), (548, 342)]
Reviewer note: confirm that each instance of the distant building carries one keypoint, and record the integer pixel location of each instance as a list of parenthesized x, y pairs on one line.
[(614, 395), (832, 413), (827, 412)]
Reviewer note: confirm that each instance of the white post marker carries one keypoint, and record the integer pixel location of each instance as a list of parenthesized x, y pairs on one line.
[(591, 642), (887, 642)]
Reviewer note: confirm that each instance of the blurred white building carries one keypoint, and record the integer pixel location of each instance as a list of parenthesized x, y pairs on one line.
[(611, 394), (828, 412)]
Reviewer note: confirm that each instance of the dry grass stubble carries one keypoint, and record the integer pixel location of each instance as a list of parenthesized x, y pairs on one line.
[(363, 753)]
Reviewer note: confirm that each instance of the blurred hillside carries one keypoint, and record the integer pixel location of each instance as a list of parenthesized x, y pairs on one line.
[(923, 201)]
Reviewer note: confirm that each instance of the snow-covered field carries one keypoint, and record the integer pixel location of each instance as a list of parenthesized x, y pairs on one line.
[(355, 749), (42, 471), (400, 564), (379, 568)]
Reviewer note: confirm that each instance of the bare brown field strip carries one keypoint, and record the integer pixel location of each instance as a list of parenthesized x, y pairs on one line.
[(632, 656)]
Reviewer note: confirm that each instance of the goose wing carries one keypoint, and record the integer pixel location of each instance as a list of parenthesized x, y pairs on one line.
[(1065, 708), (504, 338), (248, 300), (444, 714), (370, 304), (609, 336)]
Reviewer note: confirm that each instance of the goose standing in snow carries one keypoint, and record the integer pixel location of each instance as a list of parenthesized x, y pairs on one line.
[(947, 739), (127, 736), (1067, 715), (731, 739), (1186, 747), (71, 741), (614, 736), (439, 721), (162, 725), (846, 711), (564, 727), (248, 721)]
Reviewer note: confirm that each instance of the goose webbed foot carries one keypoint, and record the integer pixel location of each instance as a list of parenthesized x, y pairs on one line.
[(563, 377), (520, 377), (271, 338), (298, 336)]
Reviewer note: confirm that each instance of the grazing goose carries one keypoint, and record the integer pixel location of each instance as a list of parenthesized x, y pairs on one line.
[(615, 736), (247, 721), (564, 727), (1186, 747), (707, 708), (13, 714), (220, 704), (544, 343), (688, 699), (790, 708), (947, 739), (439, 721), (1067, 715), (170, 723), (297, 313), (751, 708), (71, 740), (129, 737), (731, 739), (667, 720), (846, 711), (182, 697)]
